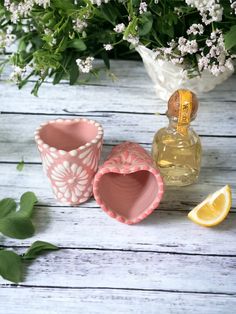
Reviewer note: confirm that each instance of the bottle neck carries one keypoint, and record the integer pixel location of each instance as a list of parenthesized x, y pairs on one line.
[(174, 126)]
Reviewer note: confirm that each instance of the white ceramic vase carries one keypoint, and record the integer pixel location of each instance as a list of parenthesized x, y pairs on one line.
[(168, 77)]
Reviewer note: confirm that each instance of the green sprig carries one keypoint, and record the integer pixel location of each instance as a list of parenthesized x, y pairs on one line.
[(16, 223)]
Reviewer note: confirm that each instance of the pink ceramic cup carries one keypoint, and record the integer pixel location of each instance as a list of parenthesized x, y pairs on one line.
[(70, 152), (127, 186)]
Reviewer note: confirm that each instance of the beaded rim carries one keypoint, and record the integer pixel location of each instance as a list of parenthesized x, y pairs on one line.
[(72, 152), (155, 203)]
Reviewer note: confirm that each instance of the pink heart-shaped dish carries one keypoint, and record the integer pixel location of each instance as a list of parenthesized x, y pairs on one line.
[(127, 186)]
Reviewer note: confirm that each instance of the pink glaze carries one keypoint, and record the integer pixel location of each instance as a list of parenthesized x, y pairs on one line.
[(70, 152), (128, 187)]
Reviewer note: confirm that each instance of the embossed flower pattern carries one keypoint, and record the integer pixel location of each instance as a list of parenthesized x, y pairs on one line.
[(70, 181)]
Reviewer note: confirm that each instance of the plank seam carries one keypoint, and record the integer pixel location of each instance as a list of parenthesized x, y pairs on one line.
[(132, 251), (9, 286)]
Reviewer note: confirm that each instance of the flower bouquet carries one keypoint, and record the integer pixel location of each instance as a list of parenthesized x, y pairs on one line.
[(60, 39)]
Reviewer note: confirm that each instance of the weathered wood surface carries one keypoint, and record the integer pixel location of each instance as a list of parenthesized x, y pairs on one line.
[(133, 270), (164, 231), (33, 178), (127, 110), (100, 301), (165, 264), (17, 137)]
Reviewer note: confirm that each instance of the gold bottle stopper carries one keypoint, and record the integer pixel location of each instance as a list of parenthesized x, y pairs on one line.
[(183, 104)]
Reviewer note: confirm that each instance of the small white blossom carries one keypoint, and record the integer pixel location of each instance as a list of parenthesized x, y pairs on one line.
[(187, 46), (216, 59), (210, 10), (99, 2), (6, 39), (119, 28), (108, 47), (17, 73), (203, 63), (233, 5), (86, 65), (23, 8), (134, 40), (195, 29), (168, 50), (142, 7), (42, 3), (177, 60), (79, 25)]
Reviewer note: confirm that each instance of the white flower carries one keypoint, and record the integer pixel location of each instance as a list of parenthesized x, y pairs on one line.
[(70, 181), (17, 73), (187, 46), (134, 40), (90, 158), (99, 2), (47, 157), (80, 25), (43, 3), (86, 65), (108, 47), (233, 5), (119, 28), (23, 8), (210, 10), (203, 63), (216, 59), (142, 7), (6, 39), (177, 60), (195, 29)]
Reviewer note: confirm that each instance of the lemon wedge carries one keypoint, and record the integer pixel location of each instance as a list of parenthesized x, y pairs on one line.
[(214, 209)]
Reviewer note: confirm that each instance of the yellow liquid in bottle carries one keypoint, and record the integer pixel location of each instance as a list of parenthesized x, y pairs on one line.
[(178, 156)]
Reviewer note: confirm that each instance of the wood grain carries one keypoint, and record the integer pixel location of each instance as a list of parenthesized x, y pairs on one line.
[(100, 301), (163, 231), (32, 178), (17, 140), (133, 270)]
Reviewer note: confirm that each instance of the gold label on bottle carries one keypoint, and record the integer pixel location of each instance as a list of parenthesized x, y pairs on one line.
[(185, 109)]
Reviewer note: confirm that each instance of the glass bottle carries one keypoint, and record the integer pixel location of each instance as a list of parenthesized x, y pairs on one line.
[(176, 149)]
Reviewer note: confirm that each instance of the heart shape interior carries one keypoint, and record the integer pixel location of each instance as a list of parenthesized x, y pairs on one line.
[(68, 135), (128, 195)]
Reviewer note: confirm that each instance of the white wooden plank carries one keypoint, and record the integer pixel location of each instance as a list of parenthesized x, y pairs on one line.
[(62, 99), (217, 152), (163, 231), (14, 183), (17, 135), (127, 73), (101, 301), (133, 270)]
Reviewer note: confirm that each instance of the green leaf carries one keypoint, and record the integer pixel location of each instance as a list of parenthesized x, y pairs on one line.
[(20, 165), (64, 5), (58, 76), (15, 226), (10, 266), (110, 13), (7, 206), (78, 44), (145, 23), (230, 38), (27, 202), (74, 73), (37, 248)]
